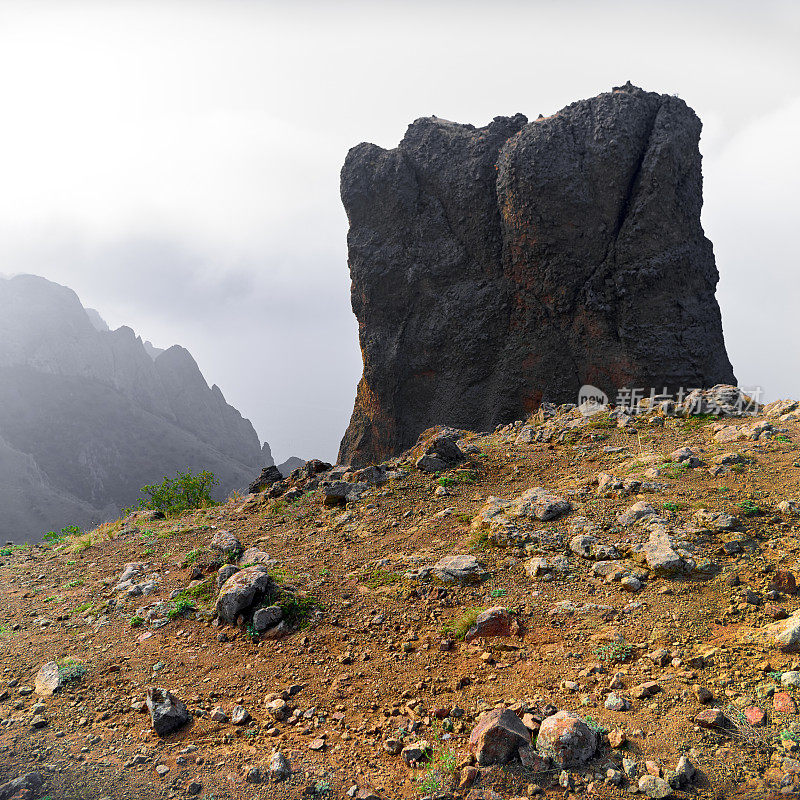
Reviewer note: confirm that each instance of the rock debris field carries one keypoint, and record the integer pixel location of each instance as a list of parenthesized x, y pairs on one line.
[(572, 605)]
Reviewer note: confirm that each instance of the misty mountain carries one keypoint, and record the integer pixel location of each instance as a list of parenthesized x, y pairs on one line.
[(89, 415)]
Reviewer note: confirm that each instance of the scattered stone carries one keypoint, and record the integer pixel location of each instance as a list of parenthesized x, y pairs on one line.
[(755, 716), (240, 715), (783, 703), (712, 718), (167, 713), (48, 679), (783, 580), (617, 738), (279, 767), (241, 591), (496, 621), (461, 569), (566, 738), (497, 737), (647, 689)]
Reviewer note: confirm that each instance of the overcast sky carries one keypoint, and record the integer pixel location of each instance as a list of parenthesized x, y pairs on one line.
[(177, 163)]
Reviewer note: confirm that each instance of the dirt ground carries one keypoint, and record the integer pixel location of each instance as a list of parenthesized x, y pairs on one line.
[(370, 664)]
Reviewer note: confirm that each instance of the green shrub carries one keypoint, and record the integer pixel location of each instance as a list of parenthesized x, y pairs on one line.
[(614, 653), (296, 610), (596, 726), (184, 492), (182, 605), (749, 508), (70, 670), (137, 621), (461, 476), (65, 533)]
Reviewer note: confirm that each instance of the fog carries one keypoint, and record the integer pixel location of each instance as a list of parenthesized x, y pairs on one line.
[(177, 163)]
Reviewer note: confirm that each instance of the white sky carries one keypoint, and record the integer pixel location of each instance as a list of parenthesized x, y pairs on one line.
[(177, 163)]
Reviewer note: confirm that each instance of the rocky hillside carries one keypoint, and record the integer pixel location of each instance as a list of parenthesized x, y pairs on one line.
[(496, 267), (88, 415), (572, 605)]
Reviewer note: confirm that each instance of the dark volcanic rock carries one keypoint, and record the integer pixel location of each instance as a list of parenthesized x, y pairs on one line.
[(496, 267), (268, 476)]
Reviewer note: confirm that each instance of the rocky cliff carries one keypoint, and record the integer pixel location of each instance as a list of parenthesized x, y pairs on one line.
[(88, 416), (496, 267)]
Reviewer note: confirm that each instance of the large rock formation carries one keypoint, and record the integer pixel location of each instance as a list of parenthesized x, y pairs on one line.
[(88, 415), (496, 267)]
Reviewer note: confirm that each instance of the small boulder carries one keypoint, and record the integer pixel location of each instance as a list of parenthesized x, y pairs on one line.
[(496, 621), (223, 573), (540, 504), (440, 453), (416, 753), (266, 618), (655, 787), (268, 476), (636, 512), (711, 718), (567, 739), (335, 493), (241, 591), (226, 543), (461, 569), (48, 679), (497, 737), (167, 713)]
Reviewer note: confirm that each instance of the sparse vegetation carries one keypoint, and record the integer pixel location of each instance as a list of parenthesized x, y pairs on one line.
[(56, 537), (459, 476), (181, 606), (70, 670), (614, 653), (137, 621), (749, 508), (458, 628), (380, 577), (479, 540)]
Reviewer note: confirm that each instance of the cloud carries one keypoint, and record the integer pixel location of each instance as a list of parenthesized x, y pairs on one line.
[(751, 212), (177, 163)]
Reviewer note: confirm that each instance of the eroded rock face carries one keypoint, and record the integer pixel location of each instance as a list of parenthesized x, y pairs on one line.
[(495, 267)]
